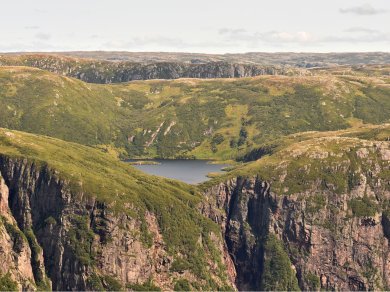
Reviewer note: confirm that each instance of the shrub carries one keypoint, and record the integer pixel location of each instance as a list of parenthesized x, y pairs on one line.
[(313, 281), (147, 286), (179, 265), (217, 139), (315, 203), (111, 284), (277, 272), (243, 136), (95, 283), (41, 279), (146, 236), (50, 221), (16, 235), (81, 238), (182, 285), (7, 284), (363, 207), (233, 143)]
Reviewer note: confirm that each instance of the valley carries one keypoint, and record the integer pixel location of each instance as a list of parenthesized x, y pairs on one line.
[(190, 118), (304, 203), (194, 145)]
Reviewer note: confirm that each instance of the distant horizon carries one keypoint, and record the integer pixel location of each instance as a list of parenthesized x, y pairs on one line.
[(193, 52)]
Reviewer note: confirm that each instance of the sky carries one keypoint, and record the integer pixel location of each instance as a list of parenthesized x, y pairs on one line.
[(212, 26)]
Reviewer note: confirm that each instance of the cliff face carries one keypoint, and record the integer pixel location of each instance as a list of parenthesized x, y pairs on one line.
[(313, 215), (343, 253), (317, 238), (56, 237), (114, 72), (124, 72), (14, 249)]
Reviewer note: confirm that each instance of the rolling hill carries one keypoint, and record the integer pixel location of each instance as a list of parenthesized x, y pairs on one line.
[(220, 118)]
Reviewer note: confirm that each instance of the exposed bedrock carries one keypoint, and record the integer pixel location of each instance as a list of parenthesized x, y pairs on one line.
[(314, 239)]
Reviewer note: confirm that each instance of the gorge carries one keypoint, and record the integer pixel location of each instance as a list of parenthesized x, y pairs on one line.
[(303, 205)]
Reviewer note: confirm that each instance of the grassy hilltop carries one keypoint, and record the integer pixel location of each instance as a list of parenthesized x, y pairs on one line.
[(221, 118), (293, 163)]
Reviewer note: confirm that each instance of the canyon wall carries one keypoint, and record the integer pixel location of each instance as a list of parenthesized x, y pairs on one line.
[(52, 237), (307, 239), (94, 71)]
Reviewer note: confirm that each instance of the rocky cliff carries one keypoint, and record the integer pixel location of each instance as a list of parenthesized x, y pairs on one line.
[(328, 231), (314, 214), (53, 237), (95, 71), (14, 249)]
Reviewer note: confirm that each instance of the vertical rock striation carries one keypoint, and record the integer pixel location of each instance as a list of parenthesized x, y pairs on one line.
[(104, 72), (328, 247), (63, 239)]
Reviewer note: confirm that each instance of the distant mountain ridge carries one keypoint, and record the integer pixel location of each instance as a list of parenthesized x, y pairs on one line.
[(307, 60), (102, 71)]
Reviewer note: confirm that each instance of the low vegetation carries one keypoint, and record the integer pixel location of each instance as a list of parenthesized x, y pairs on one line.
[(363, 207), (191, 118), (7, 284), (119, 185), (331, 161), (277, 272), (147, 286), (309, 135)]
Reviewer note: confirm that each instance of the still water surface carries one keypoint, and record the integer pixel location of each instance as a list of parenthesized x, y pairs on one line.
[(189, 171)]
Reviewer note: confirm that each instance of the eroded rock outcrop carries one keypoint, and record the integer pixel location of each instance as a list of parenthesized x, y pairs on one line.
[(15, 251), (73, 242), (326, 238), (95, 71)]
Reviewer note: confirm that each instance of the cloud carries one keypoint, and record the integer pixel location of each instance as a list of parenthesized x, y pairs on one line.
[(274, 37), (165, 43), (158, 40), (365, 9), (361, 30), (145, 42), (304, 39), (283, 37), (37, 10), (33, 27), (233, 31), (28, 47), (223, 40), (359, 35), (43, 36)]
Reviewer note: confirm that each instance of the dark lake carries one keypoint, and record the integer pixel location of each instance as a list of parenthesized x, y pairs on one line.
[(189, 171)]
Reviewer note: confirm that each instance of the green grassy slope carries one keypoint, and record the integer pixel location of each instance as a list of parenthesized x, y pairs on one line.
[(35, 101), (220, 118), (299, 161), (121, 186)]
